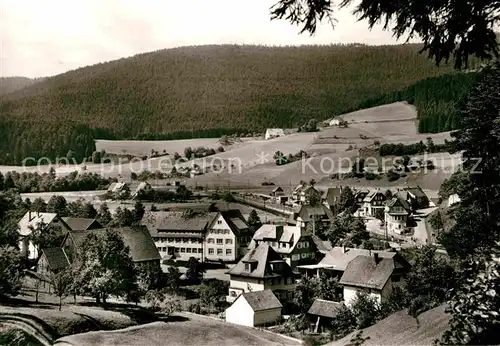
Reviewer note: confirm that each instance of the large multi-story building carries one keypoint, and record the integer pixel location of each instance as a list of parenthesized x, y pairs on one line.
[(217, 236)]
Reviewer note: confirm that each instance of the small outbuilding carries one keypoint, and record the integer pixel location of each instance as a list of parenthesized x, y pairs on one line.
[(255, 309), (335, 122), (321, 313), (274, 133)]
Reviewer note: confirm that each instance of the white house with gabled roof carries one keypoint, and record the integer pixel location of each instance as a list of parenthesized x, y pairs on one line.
[(31, 221), (255, 309)]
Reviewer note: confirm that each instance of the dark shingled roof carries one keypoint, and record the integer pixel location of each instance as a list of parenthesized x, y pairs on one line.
[(262, 255), (369, 198), (307, 211), (332, 194), (159, 222), (235, 220), (399, 198), (261, 300), (81, 224), (56, 258), (364, 271), (141, 245), (416, 191), (325, 308)]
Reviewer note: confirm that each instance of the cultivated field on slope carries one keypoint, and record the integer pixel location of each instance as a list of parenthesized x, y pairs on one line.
[(253, 159), (139, 148)]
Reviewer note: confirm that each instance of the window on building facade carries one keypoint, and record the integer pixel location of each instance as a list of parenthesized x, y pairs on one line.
[(188, 250), (229, 241), (210, 251), (229, 251), (304, 255), (219, 222), (306, 244), (273, 244), (247, 268), (289, 281), (176, 249), (178, 240), (219, 251), (183, 249), (220, 241), (210, 240), (184, 240)]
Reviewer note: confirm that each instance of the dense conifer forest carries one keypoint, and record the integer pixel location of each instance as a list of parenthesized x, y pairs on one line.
[(209, 91), (11, 84), (435, 98)]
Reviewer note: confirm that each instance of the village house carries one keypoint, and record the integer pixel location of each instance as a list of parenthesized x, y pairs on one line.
[(228, 236), (51, 261), (452, 200), (142, 186), (217, 236), (81, 224), (277, 191), (367, 274), (142, 248), (317, 216), (255, 309), (278, 195), (331, 197), (359, 197), (321, 314), (374, 204), (178, 235), (274, 133), (119, 188), (335, 121), (336, 260), (417, 197), (294, 244), (30, 221), (260, 269), (396, 214), (305, 194)]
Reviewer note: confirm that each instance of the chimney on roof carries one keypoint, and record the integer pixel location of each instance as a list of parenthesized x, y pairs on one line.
[(376, 257), (344, 250), (29, 215)]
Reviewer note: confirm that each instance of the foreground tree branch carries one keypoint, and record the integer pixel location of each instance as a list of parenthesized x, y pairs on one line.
[(449, 30)]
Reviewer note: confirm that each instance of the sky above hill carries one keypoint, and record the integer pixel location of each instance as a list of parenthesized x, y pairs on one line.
[(44, 38)]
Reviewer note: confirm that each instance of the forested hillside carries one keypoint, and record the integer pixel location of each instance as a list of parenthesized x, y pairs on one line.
[(435, 99), (207, 90), (10, 84)]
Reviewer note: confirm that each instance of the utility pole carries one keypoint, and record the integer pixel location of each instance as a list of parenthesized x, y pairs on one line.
[(265, 211), (314, 224)]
